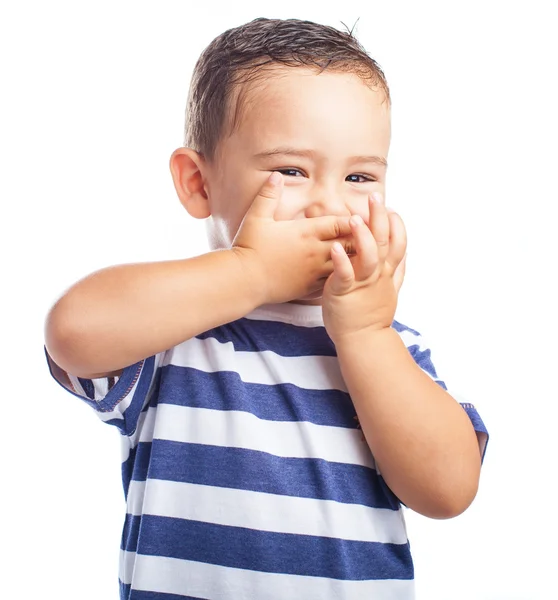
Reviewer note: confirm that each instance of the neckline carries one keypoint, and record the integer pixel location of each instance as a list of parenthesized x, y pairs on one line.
[(309, 315)]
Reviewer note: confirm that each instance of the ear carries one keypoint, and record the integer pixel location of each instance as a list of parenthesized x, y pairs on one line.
[(188, 174)]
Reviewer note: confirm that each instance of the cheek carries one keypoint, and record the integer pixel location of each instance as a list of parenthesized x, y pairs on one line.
[(361, 206), (292, 204)]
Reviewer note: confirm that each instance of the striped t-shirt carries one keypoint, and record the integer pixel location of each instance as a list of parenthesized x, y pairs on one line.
[(245, 472)]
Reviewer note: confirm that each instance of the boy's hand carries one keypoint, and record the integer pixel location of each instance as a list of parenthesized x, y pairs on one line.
[(361, 293), (285, 260)]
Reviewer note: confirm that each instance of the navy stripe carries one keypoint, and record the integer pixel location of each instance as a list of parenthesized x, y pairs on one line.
[(475, 418), (88, 388), (261, 472), (423, 360), (399, 327), (125, 590), (126, 470), (127, 593), (249, 335), (138, 595), (285, 339), (477, 422), (130, 533), (128, 423), (269, 552), (133, 411), (224, 390), (136, 466)]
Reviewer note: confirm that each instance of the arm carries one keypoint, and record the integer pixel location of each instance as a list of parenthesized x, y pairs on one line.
[(424, 444), (422, 439), (123, 314)]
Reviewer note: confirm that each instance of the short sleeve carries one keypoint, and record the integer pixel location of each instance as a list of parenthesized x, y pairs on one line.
[(118, 401), (422, 356)]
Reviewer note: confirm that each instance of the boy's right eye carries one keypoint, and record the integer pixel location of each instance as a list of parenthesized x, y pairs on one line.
[(290, 172)]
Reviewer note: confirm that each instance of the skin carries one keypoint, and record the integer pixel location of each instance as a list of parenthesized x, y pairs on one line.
[(288, 113), (422, 440), (294, 205)]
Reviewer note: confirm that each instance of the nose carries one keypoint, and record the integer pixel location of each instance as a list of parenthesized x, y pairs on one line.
[(326, 201)]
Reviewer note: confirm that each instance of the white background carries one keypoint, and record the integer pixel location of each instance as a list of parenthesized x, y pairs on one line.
[(93, 95)]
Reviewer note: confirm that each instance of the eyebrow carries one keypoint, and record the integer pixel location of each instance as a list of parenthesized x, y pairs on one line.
[(288, 151)]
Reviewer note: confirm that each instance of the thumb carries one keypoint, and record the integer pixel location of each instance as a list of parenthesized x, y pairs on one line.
[(267, 199)]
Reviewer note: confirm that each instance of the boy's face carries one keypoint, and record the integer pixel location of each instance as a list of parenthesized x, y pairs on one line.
[(327, 133)]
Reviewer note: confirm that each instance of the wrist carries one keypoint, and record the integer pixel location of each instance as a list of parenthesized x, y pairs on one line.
[(373, 339), (251, 274)]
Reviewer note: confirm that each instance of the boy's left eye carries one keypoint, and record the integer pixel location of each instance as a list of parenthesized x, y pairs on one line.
[(358, 178), (291, 172)]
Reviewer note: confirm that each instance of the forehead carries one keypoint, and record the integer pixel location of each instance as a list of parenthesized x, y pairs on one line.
[(286, 104)]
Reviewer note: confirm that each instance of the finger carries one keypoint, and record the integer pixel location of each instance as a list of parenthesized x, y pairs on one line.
[(268, 198), (397, 240), (348, 243), (324, 251), (329, 228), (399, 274), (379, 225), (366, 259), (343, 275)]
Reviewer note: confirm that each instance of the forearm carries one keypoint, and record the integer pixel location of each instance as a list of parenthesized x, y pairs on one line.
[(421, 438), (123, 314)]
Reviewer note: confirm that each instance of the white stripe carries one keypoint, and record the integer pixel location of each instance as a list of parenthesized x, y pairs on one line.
[(126, 566), (76, 384), (412, 339), (268, 368), (266, 512), (143, 432), (237, 429), (201, 580)]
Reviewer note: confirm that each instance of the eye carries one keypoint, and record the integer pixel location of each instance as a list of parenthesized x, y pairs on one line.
[(359, 178), (291, 172)]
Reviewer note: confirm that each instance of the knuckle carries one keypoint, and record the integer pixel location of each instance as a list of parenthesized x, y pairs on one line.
[(267, 193), (336, 229)]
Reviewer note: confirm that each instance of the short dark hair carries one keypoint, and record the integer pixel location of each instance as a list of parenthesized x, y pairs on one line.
[(238, 55)]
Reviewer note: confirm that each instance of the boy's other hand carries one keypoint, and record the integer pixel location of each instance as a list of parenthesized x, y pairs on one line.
[(361, 293), (286, 260)]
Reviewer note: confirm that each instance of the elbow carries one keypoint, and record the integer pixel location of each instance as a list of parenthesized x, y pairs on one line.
[(63, 337), (450, 503)]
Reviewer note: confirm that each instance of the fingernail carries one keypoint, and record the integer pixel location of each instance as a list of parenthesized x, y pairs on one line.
[(378, 197), (275, 178), (337, 248)]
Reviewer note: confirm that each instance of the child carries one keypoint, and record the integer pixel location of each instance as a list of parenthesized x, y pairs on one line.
[(274, 417)]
